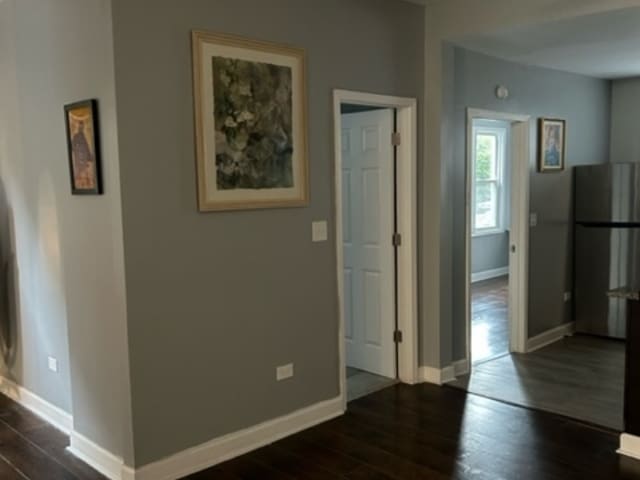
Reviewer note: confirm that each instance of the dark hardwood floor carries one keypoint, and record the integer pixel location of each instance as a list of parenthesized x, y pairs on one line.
[(31, 449), (489, 319), (402, 432), (428, 432)]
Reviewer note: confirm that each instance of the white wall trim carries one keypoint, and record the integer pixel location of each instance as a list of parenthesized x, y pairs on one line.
[(440, 376), (97, 457), (57, 417), (407, 125), (489, 274), (550, 336), (232, 445), (629, 446), (437, 376), (461, 367)]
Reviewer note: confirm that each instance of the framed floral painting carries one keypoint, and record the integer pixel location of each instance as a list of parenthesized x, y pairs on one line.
[(551, 146), (251, 131)]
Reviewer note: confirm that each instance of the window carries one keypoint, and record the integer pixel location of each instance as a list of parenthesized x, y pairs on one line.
[(487, 189)]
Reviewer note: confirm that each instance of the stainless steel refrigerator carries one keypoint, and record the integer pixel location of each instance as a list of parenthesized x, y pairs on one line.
[(607, 245)]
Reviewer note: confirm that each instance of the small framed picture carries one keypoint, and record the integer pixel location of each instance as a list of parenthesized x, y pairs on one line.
[(551, 148), (81, 119)]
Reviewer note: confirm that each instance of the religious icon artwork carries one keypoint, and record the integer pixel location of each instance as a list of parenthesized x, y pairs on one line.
[(81, 119), (552, 145)]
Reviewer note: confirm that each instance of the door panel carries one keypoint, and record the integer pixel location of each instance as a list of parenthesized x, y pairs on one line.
[(367, 210)]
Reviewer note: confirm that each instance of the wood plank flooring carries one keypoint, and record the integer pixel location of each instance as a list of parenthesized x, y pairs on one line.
[(402, 433), (580, 376), (31, 449), (428, 432), (489, 318)]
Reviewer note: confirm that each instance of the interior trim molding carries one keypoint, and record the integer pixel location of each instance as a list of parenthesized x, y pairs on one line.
[(550, 336), (437, 376), (57, 417), (461, 367), (97, 457), (489, 274), (629, 446), (238, 443)]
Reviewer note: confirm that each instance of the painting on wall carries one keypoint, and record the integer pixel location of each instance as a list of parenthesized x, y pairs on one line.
[(552, 145), (81, 121), (251, 132)]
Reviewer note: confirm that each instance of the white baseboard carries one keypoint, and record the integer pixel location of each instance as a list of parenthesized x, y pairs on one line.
[(629, 446), (45, 410), (550, 336), (440, 376), (461, 367), (488, 274), (97, 457), (437, 376), (234, 444)]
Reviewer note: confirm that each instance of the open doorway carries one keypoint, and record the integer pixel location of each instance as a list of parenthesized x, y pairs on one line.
[(375, 167), (490, 167), (496, 234), (368, 221)]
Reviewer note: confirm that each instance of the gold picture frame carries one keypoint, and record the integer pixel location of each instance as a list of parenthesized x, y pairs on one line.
[(551, 144), (251, 123)]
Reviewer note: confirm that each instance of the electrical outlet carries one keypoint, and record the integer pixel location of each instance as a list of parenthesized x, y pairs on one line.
[(319, 231), (53, 364), (284, 371), (567, 296), (533, 219)]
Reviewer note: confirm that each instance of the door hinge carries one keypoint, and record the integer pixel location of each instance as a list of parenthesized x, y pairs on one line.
[(395, 139), (397, 336), (396, 240)]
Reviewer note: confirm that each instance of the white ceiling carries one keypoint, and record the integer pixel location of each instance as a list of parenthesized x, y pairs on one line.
[(605, 45)]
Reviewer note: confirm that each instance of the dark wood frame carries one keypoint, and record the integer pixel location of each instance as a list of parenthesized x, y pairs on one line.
[(93, 105), (563, 147)]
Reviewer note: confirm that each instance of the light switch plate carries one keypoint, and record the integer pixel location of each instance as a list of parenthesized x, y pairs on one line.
[(319, 231), (533, 219), (52, 363), (567, 296), (284, 371)]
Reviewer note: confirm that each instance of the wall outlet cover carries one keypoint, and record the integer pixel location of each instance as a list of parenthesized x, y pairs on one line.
[(319, 231), (284, 371), (533, 219), (53, 364)]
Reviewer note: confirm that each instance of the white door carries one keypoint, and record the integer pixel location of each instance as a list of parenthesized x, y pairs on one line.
[(367, 212)]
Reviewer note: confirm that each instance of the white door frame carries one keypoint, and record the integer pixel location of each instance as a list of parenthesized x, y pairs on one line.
[(407, 273), (519, 227)]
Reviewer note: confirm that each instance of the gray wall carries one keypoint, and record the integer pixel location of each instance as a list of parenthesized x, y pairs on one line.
[(216, 301), (489, 252), (585, 103), (625, 118), (68, 264)]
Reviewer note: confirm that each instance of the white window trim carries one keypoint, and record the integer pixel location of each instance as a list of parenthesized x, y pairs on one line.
[(500, 133)]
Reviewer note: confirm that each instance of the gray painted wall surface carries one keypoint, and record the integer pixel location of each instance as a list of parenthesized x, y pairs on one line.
[(585, 104), (69, 256), (625, 118), (489, 252), (216, 301)]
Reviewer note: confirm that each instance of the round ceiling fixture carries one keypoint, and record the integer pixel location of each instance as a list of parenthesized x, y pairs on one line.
[(502, 92)]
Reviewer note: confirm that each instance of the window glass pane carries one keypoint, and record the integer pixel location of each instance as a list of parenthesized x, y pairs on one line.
[(486, 157), (486, 203)]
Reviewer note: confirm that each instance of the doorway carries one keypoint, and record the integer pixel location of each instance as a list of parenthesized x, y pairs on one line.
[(490, 166), (375, 139), (496, 234)]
